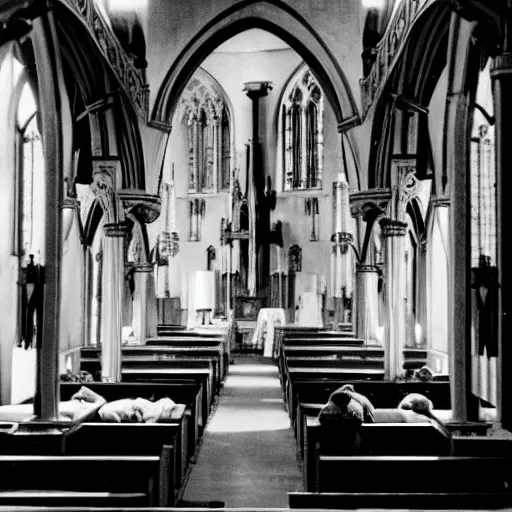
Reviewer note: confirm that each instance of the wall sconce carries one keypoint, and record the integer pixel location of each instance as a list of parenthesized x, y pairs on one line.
[(379, 334), (418, 331), (204, 296)]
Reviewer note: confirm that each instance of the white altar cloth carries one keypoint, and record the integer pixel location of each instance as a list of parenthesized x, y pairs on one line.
[(264, 332)]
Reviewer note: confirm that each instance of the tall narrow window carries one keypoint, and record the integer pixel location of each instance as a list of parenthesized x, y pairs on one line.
[(208, 131), (485, 284), (30, 176), (312, 211), (225, 150), (29, 214), (302, 133), (197, 208)]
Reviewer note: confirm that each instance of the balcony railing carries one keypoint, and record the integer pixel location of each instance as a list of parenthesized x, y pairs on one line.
[(131, 79), (389, 47)]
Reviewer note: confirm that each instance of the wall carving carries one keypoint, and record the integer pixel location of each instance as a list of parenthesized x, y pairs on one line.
[(389, 47), (131, 79)]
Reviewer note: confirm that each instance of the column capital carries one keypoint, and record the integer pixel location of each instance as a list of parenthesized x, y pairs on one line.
[(145, 207), (392, 227), (501, 65), (363, 269), (116, 229), (143, 268), (374, 199), (257, 90), (440, 202)]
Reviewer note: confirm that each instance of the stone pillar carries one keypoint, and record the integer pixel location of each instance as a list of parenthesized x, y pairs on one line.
[(259, 214), (501, 74), (367, 302), (49, 66), (393, 232), (111, 314), (140, 301), (457, 165)]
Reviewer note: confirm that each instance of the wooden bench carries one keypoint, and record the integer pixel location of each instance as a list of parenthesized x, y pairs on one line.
[(132, 439), (214, 354), (92, 365), (169, 374), (416, 474), (425, 501), (86, 480), (377, 439), (382, 394), (187, 392), (482, 446)]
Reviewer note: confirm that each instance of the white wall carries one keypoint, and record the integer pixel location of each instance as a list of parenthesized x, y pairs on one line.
[(231, 70)]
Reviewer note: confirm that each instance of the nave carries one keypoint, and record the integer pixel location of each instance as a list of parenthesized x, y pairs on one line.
[(320, 183), (248, 455)]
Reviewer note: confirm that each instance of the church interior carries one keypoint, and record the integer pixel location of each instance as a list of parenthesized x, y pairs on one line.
[(253, 255)]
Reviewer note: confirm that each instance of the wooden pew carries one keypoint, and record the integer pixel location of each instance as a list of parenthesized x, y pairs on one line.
[(201, 375), (292, 353), (91, 355), (132, 439), (197, 341), (482, 446), (382, 394), (425, 501), (377, 439), (413, 474), (187, 392), (92, 365), (86, 480)]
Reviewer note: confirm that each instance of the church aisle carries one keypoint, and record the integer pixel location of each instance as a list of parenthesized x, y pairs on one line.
[(248, 454)]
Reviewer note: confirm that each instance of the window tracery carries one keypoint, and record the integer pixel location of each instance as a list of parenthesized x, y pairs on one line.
[(208, 129), (302, 128)]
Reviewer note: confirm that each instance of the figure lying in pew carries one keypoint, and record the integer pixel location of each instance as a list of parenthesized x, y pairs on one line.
[(132, 410), (420, 404), (85, 404), (341, 419)]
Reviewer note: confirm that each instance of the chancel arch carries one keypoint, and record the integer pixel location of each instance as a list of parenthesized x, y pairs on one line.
[(277, 18)]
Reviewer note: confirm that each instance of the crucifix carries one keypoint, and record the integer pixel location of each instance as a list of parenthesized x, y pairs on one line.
[(259, 207)]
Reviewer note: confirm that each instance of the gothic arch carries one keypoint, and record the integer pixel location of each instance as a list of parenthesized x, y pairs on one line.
[(408, 90), (272, 16), (85, 65)]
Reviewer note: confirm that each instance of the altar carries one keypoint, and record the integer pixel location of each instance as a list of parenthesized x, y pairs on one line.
[(263, 335)]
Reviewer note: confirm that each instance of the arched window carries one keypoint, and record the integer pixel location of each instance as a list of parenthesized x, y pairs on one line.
[(302, 129), (209, 133), (484, 251), (226, 150), (29, 211), (30, 173)]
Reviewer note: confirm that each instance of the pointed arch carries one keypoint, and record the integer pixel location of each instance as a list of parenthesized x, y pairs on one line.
[(273, 16), (413, 79)]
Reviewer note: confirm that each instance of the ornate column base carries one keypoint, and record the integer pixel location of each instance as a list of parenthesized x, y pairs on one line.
[(367, 302)]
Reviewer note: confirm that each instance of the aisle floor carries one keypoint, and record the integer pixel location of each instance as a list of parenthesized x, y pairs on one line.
[(248, 456)]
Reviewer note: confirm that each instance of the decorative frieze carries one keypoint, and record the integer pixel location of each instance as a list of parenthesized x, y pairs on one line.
[(388, 48), (373, 199), (392, 227), (131, 79), (145, 207), (116, 229)]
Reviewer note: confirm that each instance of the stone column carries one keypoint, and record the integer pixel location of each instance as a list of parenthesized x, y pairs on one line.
[(393, 232), (501, 74), (111, 314), (140, 301), (457, 165), (367, 302), (259, 215), (106, 172), (49, 66)]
